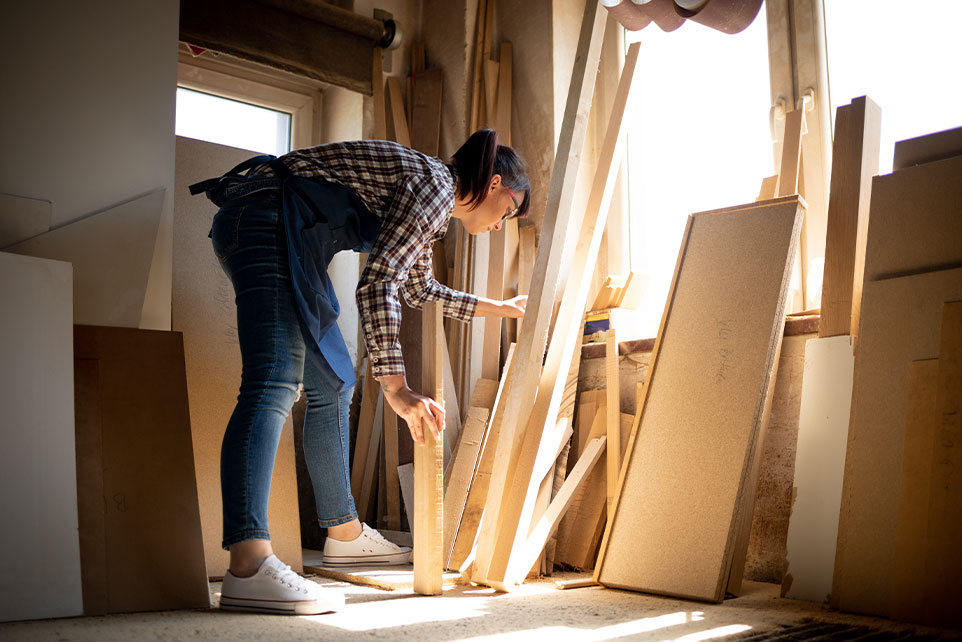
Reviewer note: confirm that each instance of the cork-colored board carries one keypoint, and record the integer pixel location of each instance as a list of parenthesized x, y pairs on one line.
[(687, 463), (915, 224), (202, 307), (900, 323)]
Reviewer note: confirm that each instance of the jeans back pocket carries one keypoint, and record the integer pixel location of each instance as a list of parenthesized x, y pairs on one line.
[(225, 230)]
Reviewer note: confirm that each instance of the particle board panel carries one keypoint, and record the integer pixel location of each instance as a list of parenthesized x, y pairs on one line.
[(38, 494), (819, 465), (909, 577), (915, 224), (854, 162), (900, 323), (925, 149), (688, 461), (943, 561), (203, 309), (429, 465), (145, 462), (111, 252)]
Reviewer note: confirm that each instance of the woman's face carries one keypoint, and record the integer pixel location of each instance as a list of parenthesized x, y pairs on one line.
[(497, 205)]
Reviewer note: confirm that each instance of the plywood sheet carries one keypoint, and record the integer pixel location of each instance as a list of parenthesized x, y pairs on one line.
[(900, 323), (687, 463), (146, 465), (111, 253), (819, 465), (203, 309), (38, 495), (915, 224)]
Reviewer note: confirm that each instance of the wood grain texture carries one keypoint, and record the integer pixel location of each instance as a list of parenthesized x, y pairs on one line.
[(791, 154), (855, 158), (379, 105), (491, 357), (462, 470), (929, 148), (909, 576), (613, 413), (401, 132), (426, 111), (900, 324), (503, 107), (392, 485), (688, 462), (429, 464)]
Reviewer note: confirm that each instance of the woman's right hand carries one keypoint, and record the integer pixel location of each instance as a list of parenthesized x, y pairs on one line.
[(416, 410)]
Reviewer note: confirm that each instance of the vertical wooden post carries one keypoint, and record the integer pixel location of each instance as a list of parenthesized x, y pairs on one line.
[(429, 465), (377, 80), (613, 387)]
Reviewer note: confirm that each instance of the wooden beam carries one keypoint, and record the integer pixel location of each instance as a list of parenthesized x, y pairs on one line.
[(392, 484), (855, 159), (613, 414), (401, 133), (491, 356), (426, 111), (791, 153), (365, 427), (279, 39), (377, 76), (503, 116), (529, 355), (429, 465), (369, 472)]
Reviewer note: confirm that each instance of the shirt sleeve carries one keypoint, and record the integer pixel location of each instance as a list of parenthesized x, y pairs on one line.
[(405, 231), (421, 286)]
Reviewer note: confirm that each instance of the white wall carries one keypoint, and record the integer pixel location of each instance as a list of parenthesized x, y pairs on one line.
[(87, 116)]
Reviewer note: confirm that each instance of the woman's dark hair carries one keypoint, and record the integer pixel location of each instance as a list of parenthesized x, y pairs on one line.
[(480, 158)]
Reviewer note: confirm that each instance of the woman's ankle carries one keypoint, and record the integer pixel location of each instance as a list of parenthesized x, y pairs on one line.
[(345, 532), (246, 557)]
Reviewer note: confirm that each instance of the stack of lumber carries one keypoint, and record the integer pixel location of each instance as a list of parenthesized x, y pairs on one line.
[(899, 549)]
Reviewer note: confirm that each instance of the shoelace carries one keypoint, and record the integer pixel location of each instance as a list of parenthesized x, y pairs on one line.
[(377, 537), (292, 579)]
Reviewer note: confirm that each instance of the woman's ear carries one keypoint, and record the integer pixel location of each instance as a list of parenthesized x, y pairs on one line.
[(495, 182)]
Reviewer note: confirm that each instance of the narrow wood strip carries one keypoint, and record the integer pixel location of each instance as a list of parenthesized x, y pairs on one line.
[(503, 118), (613, 401), (393, 488), (377, 79), (365, 426), (401, 132)]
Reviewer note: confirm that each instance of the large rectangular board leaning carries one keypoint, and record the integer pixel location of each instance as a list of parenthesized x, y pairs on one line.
[(687, 464), (900, 323)]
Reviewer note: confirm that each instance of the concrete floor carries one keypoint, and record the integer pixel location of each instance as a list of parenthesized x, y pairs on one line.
[(535, 611)]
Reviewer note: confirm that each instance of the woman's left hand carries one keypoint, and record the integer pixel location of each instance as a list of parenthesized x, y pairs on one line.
[(514, 308)]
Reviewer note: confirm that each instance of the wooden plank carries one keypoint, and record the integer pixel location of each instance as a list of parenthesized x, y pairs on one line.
[(900, 321), (377, 76), (491, 357), (560, 504), (826, 402), (369, 478), (909, 577), (578, 526), (392, 484), (476, 82), (429, 465), (854, 162), (572, 249), (405, 475), (688, 462), (914, 225), (613, 403), (943, 563), (791, 153), (503, 114), (370, 399), (526, 258), (490, 93), (401, 132), (588, 403), (464, 542), (426, 111), (929, 148), (767, 190), (462, 470)]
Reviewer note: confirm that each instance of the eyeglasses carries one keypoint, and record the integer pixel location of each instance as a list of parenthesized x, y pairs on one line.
[(513, 212)]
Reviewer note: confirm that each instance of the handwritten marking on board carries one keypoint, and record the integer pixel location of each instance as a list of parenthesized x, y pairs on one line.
[(725, 331)]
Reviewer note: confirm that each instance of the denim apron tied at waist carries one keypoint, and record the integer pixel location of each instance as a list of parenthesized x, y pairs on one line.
[(321, 218)]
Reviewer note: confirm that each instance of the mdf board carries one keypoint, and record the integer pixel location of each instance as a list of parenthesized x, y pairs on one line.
[(142, 542), (111, 252), (202, 308), (819, 465), (915, 224), (681, 487), (909, 577), (900, 323), (38, 474), (925, 149)]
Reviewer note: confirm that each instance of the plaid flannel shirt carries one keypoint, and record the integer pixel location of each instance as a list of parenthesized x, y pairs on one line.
[(412, 196)]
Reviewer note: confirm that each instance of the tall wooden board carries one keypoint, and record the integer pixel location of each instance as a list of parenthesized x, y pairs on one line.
[(429, 465), (38, 496), (900, 323), (685, 472)]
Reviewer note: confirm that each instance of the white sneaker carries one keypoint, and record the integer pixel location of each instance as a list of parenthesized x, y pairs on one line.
[(368, 548), (275, 588)]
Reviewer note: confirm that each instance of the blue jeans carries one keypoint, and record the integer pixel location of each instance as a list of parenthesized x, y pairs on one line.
[(277, 354)]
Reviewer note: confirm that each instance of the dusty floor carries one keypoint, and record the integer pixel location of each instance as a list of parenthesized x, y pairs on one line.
[(536, 611)]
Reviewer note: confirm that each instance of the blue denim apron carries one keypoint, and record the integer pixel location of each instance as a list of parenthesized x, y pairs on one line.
[(321, 218)]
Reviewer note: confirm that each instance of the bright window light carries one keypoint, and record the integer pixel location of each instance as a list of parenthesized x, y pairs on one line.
[(231, 122), (906, 57), (698, 139)]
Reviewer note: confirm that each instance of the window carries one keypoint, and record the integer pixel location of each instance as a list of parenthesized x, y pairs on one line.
[(698, 139), (906, 57), (231, 122)]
